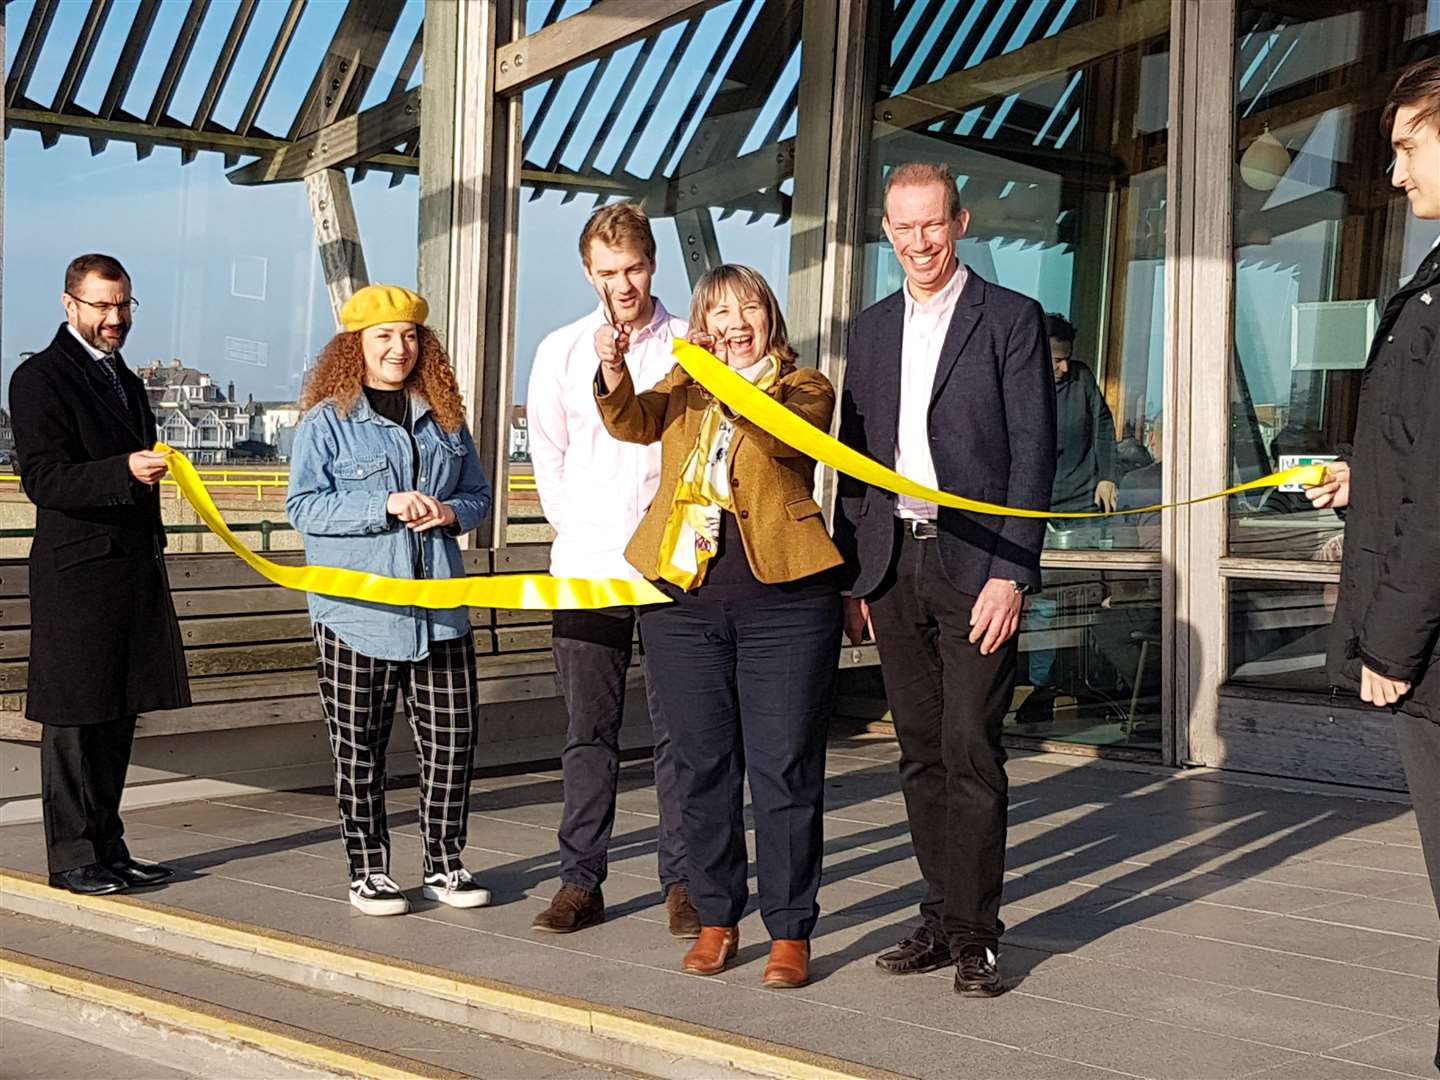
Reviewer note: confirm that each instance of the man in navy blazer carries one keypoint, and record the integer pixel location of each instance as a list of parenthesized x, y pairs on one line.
[(949, 382)]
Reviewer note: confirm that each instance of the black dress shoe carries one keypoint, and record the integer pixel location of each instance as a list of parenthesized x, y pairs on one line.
[(138, 874), (89, 881), (922, 951), (977, 972)]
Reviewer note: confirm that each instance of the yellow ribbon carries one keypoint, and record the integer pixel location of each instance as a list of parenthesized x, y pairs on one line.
[(770, 416), (530, 592), (686, 547)]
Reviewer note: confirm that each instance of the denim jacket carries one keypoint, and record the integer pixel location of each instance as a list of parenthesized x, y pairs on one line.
[(342, 470)]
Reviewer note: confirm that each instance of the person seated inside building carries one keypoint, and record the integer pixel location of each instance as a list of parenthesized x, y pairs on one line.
[(1084, 482), (1084, 429)]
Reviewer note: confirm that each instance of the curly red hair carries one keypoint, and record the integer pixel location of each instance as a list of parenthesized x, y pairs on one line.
[(339, 375)]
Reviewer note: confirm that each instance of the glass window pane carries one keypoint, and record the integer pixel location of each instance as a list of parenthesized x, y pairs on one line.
[(693, 124), (1279, 632), (1321, 239), (1090, 647), (233, 301), (1063, 171)]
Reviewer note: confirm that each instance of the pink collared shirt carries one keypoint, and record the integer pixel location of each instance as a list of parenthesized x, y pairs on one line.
[(926, 324), (594, 489)]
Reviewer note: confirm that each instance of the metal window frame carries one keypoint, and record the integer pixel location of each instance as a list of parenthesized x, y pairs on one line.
[(839, 60)]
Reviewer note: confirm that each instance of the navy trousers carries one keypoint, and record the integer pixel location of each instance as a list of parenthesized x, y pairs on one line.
[(748, 686), (592, 655)]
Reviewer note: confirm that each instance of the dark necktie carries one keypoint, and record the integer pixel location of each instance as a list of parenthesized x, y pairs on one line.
[(107, 364)]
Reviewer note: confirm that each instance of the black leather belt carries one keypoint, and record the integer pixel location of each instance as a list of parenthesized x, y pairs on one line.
[(919, 530)]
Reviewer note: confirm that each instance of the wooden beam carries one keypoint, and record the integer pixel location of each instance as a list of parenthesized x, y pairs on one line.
[(751, 80), (571, 42), (179, 56), (346, 142), (439, 92), (1370, 94), (32, 39), (349, 64), (1037, 61), (81, 55), (698, 243), (145, 138), (717, 185), (3, 130), (337, 236), (135, 41), (224, 64), (272, 65)]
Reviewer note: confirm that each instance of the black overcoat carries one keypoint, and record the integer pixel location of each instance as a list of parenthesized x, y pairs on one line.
[(1388, 614), (104, 641)]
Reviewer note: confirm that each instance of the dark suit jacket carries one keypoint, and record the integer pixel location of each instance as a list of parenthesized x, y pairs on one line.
[(104, 642), (992, 436)]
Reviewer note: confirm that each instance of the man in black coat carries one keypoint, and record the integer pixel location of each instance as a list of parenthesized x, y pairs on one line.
[(1084, 429), (104, 641), (949, 382), (1385, 639)]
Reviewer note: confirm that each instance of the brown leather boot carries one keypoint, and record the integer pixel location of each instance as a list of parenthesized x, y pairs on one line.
[(789, 964), (715, 949), (572, 909), (684, 919)]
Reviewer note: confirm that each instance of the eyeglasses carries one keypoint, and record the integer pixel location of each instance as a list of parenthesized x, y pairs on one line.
[(128, 307)]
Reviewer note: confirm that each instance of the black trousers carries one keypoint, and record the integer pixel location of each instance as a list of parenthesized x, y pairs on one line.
[(592, 651), (82, 777), (948, 703), (1420, 750), (748, 686)]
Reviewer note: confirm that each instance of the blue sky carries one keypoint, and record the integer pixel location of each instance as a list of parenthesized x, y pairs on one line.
[(226, 275)]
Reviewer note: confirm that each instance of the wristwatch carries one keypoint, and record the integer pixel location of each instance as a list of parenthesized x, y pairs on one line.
[(1020, 588)]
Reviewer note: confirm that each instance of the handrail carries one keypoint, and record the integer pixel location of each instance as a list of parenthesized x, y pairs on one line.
[(260, 481), (265, 528)]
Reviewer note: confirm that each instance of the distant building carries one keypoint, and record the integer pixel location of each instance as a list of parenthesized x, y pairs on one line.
[(7, 438), (519, 434), (192, 414), (272, 426)]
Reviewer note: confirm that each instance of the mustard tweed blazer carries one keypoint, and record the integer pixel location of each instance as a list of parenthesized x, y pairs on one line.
[(780, 522)]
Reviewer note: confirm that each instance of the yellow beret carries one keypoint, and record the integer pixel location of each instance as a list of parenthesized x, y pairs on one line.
[(377, 304)]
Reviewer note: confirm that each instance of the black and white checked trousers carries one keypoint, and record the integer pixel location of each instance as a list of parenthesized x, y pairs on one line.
[(359, 694)]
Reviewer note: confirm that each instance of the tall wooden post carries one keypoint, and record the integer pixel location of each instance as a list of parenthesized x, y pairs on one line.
[(337, 236)]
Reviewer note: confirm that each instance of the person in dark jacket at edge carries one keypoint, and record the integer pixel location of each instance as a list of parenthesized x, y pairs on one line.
[(1084, 481), (1084, 429), (1385, 639), (104, 641)]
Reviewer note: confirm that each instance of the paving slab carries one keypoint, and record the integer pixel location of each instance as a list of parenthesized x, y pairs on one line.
[(1161, 924)]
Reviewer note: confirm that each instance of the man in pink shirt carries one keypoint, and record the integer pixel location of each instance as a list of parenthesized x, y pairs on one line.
[(594, 491)]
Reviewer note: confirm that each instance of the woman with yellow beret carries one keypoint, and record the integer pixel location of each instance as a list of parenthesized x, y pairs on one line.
[(384, 476)]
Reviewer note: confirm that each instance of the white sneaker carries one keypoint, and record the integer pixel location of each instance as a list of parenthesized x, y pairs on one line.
[(377, 894), (457, 888)]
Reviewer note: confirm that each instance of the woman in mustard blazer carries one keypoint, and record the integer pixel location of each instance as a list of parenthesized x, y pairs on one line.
[(745, 655)]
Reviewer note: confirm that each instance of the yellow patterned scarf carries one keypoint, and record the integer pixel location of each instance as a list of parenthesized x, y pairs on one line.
[(688, 543)]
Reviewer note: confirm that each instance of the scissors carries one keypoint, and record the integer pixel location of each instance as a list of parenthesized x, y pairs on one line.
[(610, 311)]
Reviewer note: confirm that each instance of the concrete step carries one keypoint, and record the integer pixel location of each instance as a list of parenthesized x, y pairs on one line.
[(35, 1053), (186, 1017), (292, 969)]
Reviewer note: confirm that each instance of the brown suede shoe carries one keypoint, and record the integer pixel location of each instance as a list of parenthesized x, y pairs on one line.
[(789, 964), (684, 919), (572, 909), (715, 949)]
